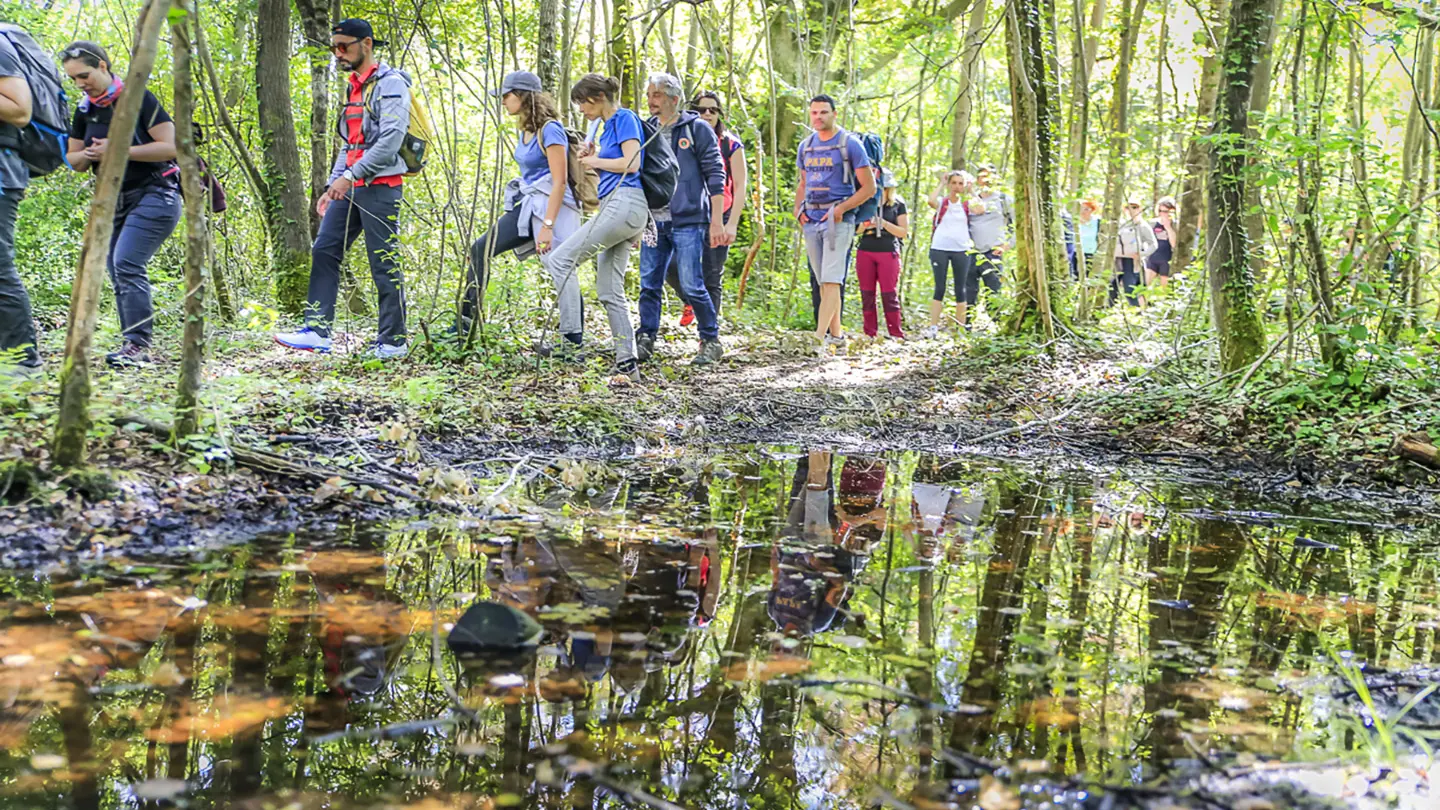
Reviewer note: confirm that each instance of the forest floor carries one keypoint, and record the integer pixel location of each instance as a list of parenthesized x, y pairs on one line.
[(299, 437)]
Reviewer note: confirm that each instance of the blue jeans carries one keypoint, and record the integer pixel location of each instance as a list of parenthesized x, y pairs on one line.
[(144, 219), (688, 243), (17, 328)]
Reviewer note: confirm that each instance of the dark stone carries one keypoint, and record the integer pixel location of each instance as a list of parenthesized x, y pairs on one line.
[(489, 627)]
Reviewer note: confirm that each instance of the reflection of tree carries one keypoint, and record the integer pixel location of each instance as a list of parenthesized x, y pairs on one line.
[(1189, 568)]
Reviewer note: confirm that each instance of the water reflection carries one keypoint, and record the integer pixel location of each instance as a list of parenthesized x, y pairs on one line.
[(794, 629)]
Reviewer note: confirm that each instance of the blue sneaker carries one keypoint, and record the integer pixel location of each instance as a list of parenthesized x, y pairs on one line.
[(305, 339), (386, 351)]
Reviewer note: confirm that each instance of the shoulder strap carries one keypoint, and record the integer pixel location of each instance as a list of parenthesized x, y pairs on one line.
[(940, 214)]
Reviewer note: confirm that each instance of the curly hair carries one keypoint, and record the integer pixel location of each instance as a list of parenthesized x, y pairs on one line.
[(536, 109)]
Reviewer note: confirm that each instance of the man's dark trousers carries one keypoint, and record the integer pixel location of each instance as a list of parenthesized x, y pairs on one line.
[(374, 211)]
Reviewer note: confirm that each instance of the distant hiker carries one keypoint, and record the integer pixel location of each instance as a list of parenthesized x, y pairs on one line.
[(1088, 229), (878, 259), (149, 205), (950, 247), (1157, 265), (690, 224), (707, 106), (541, 208), (834, 181), (992, 228), (17, 326), (364, 195), (1134, 242), (618, 156)]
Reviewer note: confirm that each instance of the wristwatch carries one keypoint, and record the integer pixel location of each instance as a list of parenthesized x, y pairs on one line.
[(549, 223), (349, 175)]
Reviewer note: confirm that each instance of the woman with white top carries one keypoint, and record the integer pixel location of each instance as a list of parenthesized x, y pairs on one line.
[(949, 246)]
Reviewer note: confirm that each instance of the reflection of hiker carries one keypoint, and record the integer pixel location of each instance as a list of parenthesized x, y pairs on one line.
[(810, 572), (940, 511), (860, 506)]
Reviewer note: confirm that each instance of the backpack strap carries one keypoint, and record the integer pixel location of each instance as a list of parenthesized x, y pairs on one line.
[(940, 214)]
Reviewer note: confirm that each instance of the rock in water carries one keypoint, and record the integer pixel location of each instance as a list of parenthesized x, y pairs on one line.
[(489, 627)]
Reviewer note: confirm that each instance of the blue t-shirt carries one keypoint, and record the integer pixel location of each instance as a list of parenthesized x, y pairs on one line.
[(623, 126), (534, 165), (824, 165)]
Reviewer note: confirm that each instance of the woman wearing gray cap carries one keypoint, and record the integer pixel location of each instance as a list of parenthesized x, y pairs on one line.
[(541, 209)]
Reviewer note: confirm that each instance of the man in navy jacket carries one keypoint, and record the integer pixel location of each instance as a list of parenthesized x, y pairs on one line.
[(694, 220)]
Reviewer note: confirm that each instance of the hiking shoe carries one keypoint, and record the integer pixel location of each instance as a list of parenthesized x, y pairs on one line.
[(644, 346), (688, 316), (836, 341), (388, 351), (625, 373), (710, 352), (129, 355), (306, 340), (930, 333), (564, 349)]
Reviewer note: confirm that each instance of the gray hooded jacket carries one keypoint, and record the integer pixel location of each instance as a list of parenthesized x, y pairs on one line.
[(382, 129)]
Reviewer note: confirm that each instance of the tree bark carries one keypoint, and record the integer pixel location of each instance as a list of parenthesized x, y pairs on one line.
[(1034, 91), (1099, 273), (623, 60), (1259, 104), (1417, 447), (314, 21), (73, 422), (196, 250), (1309, 131), (965, 94), (1197, 152), (547, 61), (285, 208), (1086, 46), (1233, 291)]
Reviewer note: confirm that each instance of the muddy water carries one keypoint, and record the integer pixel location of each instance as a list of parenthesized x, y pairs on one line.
[(762, 629)]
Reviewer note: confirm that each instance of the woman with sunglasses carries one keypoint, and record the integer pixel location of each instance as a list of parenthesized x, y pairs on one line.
[(707, 105), (149, 204), (1157, 267), (1134, 242)]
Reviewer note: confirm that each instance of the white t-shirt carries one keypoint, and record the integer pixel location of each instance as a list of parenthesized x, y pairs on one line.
[(953, 230)]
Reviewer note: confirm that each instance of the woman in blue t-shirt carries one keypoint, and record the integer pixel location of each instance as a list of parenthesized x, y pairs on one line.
[(541, 209), (616, 155)]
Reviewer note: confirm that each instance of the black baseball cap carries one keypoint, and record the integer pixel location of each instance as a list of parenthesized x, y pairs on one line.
[(355, 27)]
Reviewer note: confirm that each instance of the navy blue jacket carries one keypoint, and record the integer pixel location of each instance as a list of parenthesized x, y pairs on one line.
[(702, 169)]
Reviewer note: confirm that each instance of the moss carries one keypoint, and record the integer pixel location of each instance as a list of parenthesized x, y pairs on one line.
[(18, 479)]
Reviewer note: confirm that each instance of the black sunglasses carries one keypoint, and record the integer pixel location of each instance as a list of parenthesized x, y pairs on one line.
[(699, 109)]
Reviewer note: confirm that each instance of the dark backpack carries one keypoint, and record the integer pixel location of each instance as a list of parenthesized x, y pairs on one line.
[(659, 171), (875, 150), (40, 143)]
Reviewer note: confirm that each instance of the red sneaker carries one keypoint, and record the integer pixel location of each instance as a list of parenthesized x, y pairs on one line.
[(687, 317)]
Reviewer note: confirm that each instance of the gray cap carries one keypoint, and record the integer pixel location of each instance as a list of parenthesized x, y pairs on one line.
[(519, 80), (888, 179)]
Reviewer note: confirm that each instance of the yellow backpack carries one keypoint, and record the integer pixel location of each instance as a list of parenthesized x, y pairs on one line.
[(418, 135)]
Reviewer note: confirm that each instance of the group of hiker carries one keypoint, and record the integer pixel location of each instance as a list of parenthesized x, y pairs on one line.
[(673, 184)]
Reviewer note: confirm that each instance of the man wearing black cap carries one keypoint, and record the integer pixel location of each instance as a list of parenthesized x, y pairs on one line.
[(364, 194)]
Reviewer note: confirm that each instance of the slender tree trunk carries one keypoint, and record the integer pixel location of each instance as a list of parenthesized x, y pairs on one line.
[(73, 422), (547, 45), (1162, 135), (1259, 105), (1086, 46), (1310, 133), (965, 95), (1197, 152), (1034, 92), (314, 20), (1234, 297), (1116, 174), (624, 63), (196, 248), (285, 208)]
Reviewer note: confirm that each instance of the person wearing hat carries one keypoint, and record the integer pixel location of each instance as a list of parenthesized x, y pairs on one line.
[(541, 210), (1134, 242), (364, 195), (877, 259)]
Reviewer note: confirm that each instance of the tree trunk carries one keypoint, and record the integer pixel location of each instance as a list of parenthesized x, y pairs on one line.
[(1099, 273), (196, 250), (547, 61), (285, 208), (965, 94), (73, 422), (1232, 282), (1259, 104), (623, 60), (1310, 133), (314, 20), (1033, 90), (1197, 152), (1086, 46)]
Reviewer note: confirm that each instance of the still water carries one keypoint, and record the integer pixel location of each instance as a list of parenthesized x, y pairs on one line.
[(768, 628)]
